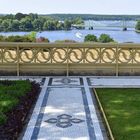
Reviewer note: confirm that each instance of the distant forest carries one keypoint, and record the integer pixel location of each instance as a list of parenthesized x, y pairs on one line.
[(94, 17), (35, 22)]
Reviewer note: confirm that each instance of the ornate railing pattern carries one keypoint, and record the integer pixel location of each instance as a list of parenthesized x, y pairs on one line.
[(71, 56)]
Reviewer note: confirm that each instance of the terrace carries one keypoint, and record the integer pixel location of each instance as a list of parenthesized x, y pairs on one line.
[(70, 105)]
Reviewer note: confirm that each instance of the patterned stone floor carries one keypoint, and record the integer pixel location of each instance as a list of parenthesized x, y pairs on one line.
[(65, 110)]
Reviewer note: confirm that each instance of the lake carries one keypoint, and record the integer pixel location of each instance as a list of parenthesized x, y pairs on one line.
[(115, 32)]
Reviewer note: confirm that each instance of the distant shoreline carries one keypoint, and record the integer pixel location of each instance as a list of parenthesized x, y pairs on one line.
[(94, 16), (88, 16)]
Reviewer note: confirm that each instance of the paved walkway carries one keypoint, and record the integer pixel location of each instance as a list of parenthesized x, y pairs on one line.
[(115, 82), (64, 111)]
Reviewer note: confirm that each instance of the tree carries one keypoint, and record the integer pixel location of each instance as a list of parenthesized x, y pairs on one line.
[(1, 28), (19, 16), (33, 16), (60, 26), (138, 25), (1, 21), (5, 25), (37, 25), (26, 24), (14, 26), (67, 24), (90, 37), (49, 25), (104, 38), (78, 20)]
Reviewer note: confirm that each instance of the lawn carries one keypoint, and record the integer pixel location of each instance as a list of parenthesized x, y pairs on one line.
[(16, 100), (10, 93), (122, 108)]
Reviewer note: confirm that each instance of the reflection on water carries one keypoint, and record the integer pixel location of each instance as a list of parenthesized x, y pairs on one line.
[(115, 32)]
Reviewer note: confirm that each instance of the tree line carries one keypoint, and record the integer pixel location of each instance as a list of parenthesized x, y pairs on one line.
[(94, 17), (34, 22)]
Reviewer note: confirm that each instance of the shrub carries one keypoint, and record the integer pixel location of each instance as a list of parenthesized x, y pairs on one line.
[(25, 38), (104, 38), (32, 36), (17, 38), (90, 37)]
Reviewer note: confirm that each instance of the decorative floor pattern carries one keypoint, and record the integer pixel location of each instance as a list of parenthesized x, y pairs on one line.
[(64, 121), (64, 81), (66, 112)]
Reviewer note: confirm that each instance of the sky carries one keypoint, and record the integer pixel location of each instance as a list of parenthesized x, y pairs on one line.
[(128, 7)]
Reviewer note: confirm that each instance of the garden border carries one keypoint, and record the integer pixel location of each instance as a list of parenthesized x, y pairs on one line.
[(104, 115)]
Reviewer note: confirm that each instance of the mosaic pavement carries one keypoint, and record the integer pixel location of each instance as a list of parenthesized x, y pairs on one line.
[(64, 111)]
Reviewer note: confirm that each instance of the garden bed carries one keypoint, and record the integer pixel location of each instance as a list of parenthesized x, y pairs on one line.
[(122, 110), (16, 100)]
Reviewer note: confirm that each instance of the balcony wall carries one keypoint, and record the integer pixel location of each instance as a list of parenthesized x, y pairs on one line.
[(69, 59)]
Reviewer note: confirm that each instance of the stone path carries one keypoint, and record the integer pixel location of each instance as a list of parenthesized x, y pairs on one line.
[(115, 82), (64, 111)]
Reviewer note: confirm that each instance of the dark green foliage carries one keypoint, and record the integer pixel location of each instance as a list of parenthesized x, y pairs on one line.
[(2, 118), (50, 25), (17, 39), (26, 38), (90, 37), (104, 38), (26, 24), (19, 16), (38, 24), (67, 24), (34, 22), (15, 24), (138, 25), (10, 92), (122, 108)]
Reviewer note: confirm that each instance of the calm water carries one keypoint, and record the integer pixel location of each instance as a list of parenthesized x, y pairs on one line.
[(120, 36)]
